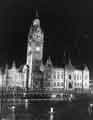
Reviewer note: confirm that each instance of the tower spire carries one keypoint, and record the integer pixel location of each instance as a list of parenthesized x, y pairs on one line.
[(37, 15), (69, 61), (64, 58), (34, 50), (13, 65), (36, 20), (69, 58)]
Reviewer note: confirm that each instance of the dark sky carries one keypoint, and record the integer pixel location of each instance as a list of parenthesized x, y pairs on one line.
[(67, 25)]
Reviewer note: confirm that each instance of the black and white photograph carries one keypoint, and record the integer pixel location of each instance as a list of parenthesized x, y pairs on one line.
[(46, 60)]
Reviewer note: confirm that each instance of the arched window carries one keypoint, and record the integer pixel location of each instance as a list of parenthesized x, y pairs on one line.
[(58, 75), (54, 75), (70, 85), (74, 76), (58, 84), (62, 75), (77, 76), (70, 77)]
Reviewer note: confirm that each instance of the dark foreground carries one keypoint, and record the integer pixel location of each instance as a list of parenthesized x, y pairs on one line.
[(39, 110), (63, 111)]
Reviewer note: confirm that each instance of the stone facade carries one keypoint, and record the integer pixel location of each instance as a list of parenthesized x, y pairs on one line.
[(67, 78), (36, 76), (54, 78), (11, 77)]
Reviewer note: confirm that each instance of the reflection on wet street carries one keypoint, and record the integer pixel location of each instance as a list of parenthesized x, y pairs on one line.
[(45, 110)]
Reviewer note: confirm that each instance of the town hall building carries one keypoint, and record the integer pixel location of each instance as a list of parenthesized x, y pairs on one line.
[(38, 76), (52, 78)]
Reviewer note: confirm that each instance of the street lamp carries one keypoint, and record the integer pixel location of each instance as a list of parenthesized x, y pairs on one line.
[(51, 112), (90, 108)]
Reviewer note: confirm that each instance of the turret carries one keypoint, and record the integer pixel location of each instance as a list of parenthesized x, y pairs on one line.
[(49, 62), (13, 65)]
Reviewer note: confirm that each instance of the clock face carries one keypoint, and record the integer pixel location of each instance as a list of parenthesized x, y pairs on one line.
[(37, 48), (37, 36)]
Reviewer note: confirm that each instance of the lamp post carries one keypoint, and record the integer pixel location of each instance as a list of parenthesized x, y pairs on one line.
[(51, 112), (26, 103), (13, 107), (90, 109), (13, 112)]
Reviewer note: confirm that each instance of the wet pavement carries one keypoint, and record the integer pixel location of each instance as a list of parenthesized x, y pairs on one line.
[(40, 110)]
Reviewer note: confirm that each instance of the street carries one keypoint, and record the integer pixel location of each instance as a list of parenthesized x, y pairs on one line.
[(40, 110)]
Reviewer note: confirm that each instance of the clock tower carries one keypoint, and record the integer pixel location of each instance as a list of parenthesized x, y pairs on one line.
[(34, 53)]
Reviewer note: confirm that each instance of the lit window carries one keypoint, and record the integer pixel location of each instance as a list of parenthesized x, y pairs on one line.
[(58, 84), (80, 77), (54, 76), (58, 75), (62, 76), (77, 77)]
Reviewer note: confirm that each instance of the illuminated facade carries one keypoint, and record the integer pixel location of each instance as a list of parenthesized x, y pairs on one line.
[(67, 78), (53, 77), (34, 55), (35, 75), (11, 77), (58, 79), (78, 79)]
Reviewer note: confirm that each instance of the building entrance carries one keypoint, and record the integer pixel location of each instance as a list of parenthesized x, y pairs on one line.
[(70, 86)]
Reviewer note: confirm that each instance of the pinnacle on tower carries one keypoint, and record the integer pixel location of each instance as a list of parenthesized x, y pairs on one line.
[(49, 61), (85, 67), (64, 58), (37, 15), (36, 20), (69, 61), (69, 66), (13, 65), (42, 67), (6, 67)]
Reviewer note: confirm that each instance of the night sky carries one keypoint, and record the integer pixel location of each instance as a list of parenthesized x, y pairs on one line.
[(67, 25)]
